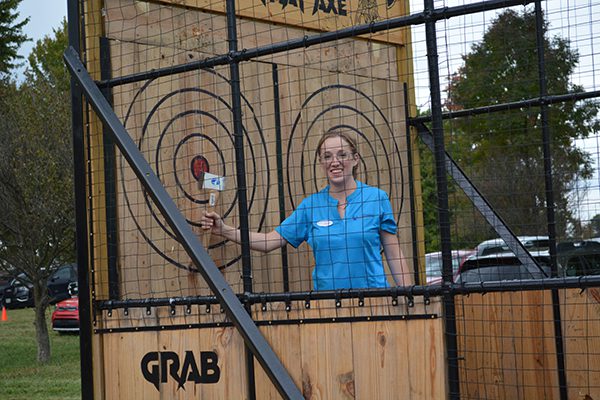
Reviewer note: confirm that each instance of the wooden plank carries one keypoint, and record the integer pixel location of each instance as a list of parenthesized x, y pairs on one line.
[(200, 35), (580, 313), (124, 365), (327, 370), (506, 342), (289, 354), (406, 74), (537, 357), (381, 362), (362, 360), (122, 368), (322, 15), (93, 26), (95, 156)]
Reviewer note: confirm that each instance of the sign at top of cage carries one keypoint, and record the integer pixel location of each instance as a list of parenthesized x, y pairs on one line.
[(319, 15)]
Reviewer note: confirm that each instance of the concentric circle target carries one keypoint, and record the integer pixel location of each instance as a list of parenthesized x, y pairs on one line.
[(344, 106), (183, 133)]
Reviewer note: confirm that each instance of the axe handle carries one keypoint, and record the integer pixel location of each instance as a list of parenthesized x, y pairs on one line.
[(213, 196)]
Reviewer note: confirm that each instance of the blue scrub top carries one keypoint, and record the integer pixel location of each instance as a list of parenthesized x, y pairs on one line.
[(347, 251)]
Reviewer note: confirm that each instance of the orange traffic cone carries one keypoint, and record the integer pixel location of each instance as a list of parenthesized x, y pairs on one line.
[(4, 316)]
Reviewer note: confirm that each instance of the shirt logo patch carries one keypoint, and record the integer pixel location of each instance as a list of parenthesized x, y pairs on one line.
[(325, 222)]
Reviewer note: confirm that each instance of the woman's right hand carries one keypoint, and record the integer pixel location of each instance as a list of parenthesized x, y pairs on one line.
[(213, 222)]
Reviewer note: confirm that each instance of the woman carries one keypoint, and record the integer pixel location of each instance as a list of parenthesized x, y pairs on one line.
[(346, 223)]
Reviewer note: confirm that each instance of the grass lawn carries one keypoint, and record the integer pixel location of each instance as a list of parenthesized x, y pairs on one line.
[(21, 377)]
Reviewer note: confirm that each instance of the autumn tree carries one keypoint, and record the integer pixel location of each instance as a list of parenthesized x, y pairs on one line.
[(502, 153), (36, 185)]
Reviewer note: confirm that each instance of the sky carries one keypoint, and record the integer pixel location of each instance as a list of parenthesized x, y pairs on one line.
[(45, 15)]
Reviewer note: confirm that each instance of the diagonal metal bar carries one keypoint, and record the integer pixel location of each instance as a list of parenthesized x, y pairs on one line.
[(233, 307), (481, 203)]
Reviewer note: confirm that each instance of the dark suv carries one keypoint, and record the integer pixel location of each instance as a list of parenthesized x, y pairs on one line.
[(503, 266), (579, 257), (59, 281), (19, 292), (5, 279)]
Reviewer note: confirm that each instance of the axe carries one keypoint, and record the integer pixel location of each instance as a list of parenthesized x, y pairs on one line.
[(213, 184)]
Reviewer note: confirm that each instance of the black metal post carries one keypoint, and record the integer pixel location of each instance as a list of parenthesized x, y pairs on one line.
[(546, 142), (110, 179), (442, 193), (413, 222), (280, 189), (85, 309), (240, 160), (188, 239), (240, 163)]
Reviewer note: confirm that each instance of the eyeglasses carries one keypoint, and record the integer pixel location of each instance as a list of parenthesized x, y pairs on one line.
[(341, 156)]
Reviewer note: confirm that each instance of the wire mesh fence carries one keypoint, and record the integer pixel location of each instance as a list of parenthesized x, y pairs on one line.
[(476, 130)]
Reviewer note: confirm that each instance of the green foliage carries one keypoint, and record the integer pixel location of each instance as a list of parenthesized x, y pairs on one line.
[(46, 62), (502, 153), (37, 218), (595, 225), (430, 199), (36, 189), (11, 35), (22, 378)]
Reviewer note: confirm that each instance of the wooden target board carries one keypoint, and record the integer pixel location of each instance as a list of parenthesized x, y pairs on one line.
[(184, 123)]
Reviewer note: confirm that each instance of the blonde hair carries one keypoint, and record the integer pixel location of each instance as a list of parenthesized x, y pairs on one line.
[(344, 135)]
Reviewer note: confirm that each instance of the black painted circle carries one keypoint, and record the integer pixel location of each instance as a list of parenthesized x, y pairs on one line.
[(184, 174), (308, 156)]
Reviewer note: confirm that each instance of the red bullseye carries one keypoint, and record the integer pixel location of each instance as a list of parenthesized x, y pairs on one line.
[(199, 166)]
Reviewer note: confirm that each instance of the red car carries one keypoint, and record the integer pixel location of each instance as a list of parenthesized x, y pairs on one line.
[(65, 317)]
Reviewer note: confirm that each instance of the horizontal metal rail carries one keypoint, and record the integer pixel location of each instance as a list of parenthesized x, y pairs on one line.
[(517, 105), (271, 322), (578, 282)]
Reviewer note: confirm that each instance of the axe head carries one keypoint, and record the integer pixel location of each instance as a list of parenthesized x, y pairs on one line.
[(213, 183)]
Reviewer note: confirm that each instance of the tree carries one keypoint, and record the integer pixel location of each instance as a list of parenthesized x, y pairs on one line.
[(36, 185), (595, 225), (503, 152), (11, 35)]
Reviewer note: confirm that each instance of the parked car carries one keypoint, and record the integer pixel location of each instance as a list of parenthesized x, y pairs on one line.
[(59, 281), (503, 266), (5, 279), (498, 245), (65, 317), (433, 264), (579, 258), (19, 292)]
